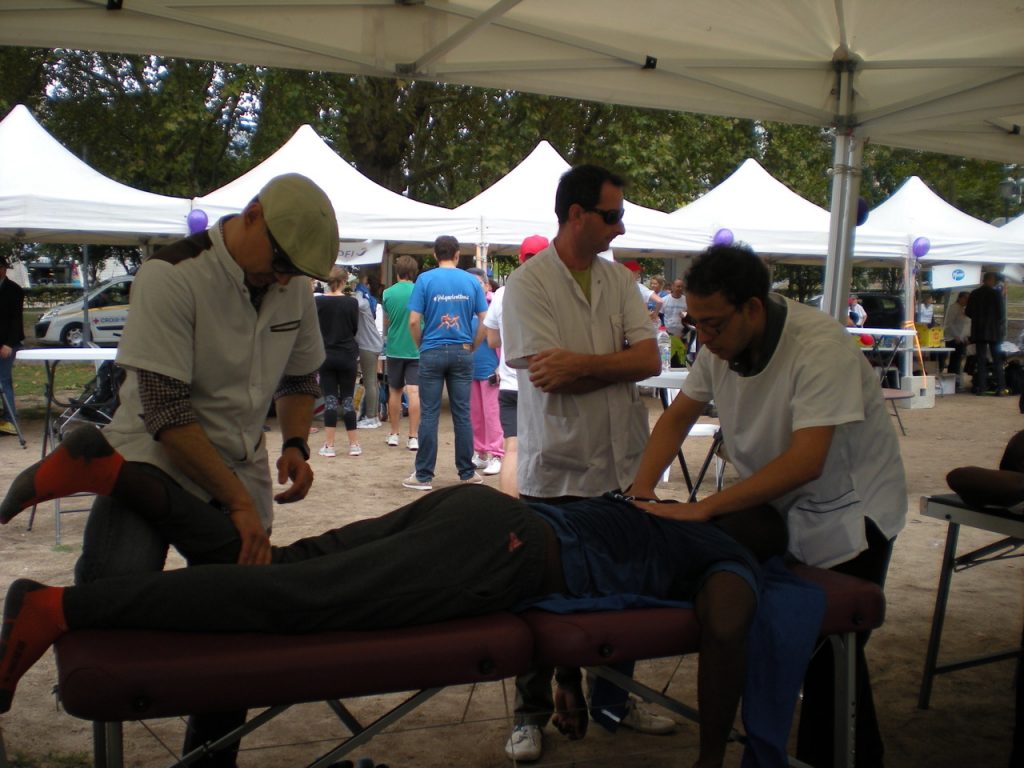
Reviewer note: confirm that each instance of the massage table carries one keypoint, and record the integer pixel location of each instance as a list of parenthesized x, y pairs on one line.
[(113, 676)]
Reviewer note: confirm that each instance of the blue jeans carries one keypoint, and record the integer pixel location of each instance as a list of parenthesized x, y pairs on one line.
[(450, 366), (7, 384)]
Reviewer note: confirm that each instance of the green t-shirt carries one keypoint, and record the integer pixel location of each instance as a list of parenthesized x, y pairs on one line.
[(396, 308)]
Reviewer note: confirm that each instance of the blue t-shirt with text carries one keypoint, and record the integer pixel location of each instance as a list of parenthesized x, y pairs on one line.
[(448, 299)]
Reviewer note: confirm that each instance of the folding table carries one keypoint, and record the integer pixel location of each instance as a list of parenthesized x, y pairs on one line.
[(951, 508)]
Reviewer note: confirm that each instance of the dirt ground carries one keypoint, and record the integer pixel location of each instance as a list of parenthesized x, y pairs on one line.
[(969, 722)]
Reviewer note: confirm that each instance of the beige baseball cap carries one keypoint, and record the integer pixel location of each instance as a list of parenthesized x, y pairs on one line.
[(301, 218)]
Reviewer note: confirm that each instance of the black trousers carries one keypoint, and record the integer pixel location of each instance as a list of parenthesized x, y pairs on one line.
[(815, 738), (446, 555)]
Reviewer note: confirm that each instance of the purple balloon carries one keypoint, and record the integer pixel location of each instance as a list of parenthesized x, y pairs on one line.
[(862, 210), (197, 221), (723, 237), (921, 246)]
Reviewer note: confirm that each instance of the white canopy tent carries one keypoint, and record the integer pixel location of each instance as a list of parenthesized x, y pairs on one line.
[(47, 195), (775, 221), (366, 210), (1013, 230), (916, 211), (522, 203), (940, 75)]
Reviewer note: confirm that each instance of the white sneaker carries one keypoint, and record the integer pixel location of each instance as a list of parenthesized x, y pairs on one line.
[(525, 744), (417, 485), (413, 444), (479, 461), (328, 451), (493, 466), (642, 720), (392, 440), (368, 423), (354, 449), (473, 479)]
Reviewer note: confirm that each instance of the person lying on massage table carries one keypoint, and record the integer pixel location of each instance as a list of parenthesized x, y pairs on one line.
[(457, 552)]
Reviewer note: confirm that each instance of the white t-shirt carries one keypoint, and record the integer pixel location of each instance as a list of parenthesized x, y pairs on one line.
[(507, 378), (816, 377), (578, 445), (193, 321), (672, 309)]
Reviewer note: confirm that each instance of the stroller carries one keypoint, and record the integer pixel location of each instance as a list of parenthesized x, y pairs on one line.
[(96, 404)]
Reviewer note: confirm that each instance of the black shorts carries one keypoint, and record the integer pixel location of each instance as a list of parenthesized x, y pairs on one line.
[(508, 406), (403, 371)]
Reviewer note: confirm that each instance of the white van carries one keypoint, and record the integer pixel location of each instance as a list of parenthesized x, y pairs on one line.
[(108, 312)]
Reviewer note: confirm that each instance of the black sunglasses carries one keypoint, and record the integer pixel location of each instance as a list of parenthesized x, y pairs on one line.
[(611, 218), (279, 261)]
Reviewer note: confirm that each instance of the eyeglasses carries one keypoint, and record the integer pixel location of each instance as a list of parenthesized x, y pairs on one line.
[(611, 218), (712, 326), (279, 261)]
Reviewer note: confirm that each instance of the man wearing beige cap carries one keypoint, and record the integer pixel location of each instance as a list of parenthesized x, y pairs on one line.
[(222, 324)]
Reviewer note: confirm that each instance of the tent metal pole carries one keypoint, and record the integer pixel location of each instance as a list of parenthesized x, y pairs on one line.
[(846, 164), (86, 330)]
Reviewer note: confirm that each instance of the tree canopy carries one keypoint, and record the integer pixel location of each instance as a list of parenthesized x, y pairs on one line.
[(182, 127)]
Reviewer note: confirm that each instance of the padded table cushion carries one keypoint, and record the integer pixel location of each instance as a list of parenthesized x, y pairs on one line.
[(115, 675), (593, 639), (607, 637), (852, 604)]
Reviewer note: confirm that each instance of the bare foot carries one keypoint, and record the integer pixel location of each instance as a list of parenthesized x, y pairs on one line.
[(571, 716)]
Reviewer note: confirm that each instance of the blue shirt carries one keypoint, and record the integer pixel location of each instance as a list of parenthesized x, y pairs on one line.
[(448, 300), (485, 359), (616, 556)]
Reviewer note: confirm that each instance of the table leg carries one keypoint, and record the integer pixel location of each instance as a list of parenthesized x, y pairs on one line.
[(663, 396), (939, 617), (48, 439)]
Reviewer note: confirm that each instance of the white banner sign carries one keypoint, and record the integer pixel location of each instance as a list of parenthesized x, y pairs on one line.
[(955, 275), (360, 252)]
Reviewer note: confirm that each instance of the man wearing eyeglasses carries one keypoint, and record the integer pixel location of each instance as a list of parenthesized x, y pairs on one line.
[(580, 337), (222, 324), (806, 428)]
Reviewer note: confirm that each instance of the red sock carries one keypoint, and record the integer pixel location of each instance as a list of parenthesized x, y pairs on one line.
[(33, 620), (62, 474)]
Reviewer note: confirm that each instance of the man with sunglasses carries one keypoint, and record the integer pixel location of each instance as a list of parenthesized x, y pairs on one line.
[(806, 428), (580, 336), (222, 324)]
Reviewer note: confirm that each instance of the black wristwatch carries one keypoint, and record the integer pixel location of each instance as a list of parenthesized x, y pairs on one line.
[(296, 442)]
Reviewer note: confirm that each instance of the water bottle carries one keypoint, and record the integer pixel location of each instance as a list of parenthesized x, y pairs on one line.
[(665, 348)]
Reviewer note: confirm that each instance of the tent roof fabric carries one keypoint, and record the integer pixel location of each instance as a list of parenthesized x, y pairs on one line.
[(947, 77), (522, 203), (49, 195), (916, 211), (774, 220), (365, 209)]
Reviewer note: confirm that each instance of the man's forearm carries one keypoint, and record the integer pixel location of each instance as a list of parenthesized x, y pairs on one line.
[(634, 363), (191, 451), (295, 415), (798, 465), (414, 328)]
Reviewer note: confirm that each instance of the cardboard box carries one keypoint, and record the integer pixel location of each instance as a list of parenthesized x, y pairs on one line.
[(928, 337), (945, 383), (923, 390)]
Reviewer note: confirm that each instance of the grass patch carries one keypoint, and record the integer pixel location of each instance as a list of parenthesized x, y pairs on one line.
[(30, 385), (63, 548)]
